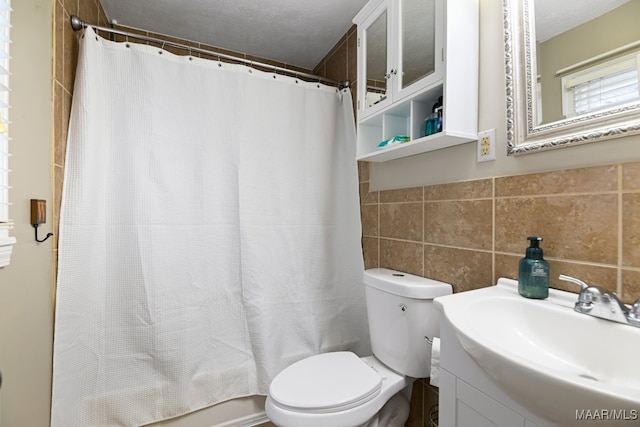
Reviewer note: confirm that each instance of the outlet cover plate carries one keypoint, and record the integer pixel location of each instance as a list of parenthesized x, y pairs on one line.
[(487, 145)]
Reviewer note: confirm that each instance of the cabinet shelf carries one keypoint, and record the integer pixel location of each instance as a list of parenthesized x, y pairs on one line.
[(433, 142)]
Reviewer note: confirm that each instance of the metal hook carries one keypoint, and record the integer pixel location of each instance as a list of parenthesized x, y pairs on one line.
[(35, 226)]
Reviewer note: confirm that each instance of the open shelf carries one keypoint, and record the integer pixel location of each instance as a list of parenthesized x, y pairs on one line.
[(421, 145)]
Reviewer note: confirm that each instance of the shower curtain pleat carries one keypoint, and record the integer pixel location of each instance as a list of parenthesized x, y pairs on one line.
[(209, 234)]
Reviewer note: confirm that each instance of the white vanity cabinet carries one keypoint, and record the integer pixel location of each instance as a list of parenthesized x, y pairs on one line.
[(468, 397), (410, 54)]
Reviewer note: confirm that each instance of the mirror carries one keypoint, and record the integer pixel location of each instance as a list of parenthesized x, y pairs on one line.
[(572, 71), (376, 61), (418, 40)]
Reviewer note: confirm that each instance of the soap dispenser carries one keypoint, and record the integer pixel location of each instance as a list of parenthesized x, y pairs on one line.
[(533, 272)]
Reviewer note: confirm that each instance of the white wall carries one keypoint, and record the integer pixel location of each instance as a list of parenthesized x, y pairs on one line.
[(26, 317), (459, 163)]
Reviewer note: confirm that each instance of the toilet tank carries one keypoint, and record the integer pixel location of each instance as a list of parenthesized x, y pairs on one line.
[(401, 314)]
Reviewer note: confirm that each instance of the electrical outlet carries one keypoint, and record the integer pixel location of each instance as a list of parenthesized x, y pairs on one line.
[(487, 145)]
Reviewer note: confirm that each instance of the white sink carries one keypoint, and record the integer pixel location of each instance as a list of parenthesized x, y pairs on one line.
[(547, 357)]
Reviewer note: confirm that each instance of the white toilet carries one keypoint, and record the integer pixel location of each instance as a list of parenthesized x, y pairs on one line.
[(339, 389)]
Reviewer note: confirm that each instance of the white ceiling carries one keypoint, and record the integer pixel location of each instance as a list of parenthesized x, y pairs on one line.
[(296, 32)]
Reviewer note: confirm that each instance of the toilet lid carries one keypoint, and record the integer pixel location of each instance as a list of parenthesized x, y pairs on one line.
[(326, 381)]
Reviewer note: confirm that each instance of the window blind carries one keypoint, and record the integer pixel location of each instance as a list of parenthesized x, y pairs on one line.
[(607, 91), (612, 83), (5, 41)]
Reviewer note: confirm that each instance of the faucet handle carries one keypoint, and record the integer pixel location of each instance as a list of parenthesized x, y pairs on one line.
[(585, 298), (578, 282)]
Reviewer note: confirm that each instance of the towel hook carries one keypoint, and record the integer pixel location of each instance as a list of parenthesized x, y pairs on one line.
[(35, 226), (39, 216)]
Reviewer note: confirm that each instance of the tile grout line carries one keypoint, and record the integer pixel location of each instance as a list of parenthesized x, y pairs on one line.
[(493, 230), (619, 288)]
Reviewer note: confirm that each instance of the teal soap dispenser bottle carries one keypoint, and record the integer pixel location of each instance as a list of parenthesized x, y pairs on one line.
[(533, 272)]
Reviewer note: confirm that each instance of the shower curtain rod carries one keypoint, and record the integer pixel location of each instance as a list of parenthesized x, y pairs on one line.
[(78, 24)]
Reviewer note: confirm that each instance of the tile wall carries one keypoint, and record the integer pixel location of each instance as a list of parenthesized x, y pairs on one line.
[(341, 63), (472, 233)]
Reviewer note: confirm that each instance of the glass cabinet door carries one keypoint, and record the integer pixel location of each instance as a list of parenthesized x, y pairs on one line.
[(377, 60), (418, 40), (419, 45), (401, 51)]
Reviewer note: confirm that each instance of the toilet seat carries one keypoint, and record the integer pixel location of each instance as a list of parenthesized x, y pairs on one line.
[(339, 381)]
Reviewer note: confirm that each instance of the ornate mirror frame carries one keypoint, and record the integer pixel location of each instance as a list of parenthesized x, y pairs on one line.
[(523, 135)]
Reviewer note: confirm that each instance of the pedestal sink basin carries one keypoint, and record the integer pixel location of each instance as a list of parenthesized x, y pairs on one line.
[(547, 357)]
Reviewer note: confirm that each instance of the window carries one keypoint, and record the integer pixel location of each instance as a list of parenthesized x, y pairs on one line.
[(606, 85), (6, 242)]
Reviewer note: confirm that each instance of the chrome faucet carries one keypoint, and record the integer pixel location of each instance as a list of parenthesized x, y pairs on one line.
[(599, 302)]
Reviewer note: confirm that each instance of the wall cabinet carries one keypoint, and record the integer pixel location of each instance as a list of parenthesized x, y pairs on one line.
[(411, 53)]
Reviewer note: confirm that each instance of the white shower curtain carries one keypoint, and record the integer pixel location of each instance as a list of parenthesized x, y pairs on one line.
[(209, 236)]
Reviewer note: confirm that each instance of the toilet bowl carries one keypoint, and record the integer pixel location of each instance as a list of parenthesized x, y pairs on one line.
[(340, 389)]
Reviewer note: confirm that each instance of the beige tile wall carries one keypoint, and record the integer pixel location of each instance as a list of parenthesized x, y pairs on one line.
[(341, 63), (471, 233)]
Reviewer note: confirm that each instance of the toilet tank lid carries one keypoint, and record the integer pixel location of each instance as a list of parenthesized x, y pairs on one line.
[(405, 284)]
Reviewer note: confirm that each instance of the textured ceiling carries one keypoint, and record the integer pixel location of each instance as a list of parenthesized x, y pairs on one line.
[(296, 32)]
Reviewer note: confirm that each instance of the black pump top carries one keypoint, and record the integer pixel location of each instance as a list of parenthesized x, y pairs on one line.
[(534, 251)]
